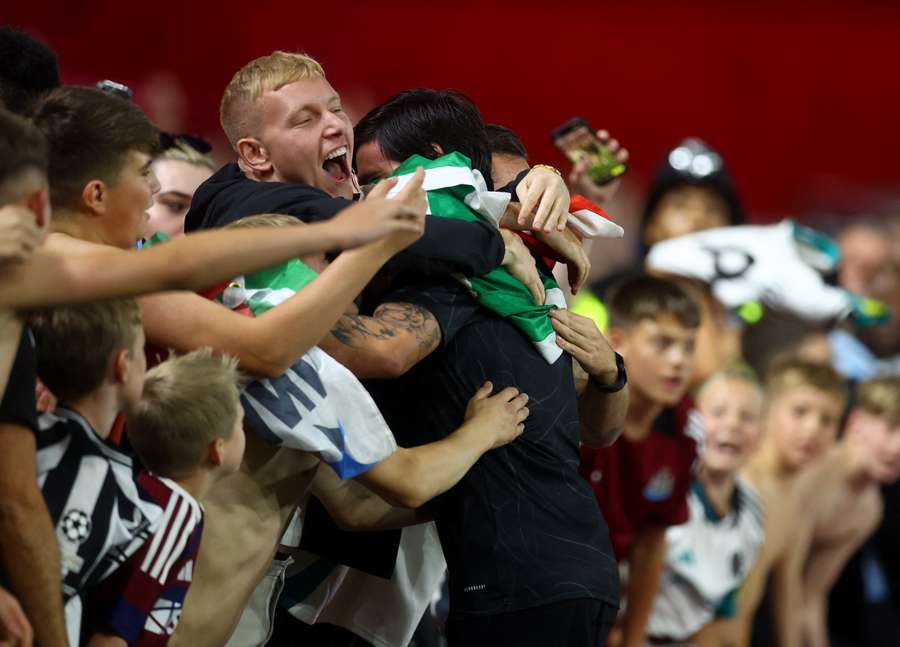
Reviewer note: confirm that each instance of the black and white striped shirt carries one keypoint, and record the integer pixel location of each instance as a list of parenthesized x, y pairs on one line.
[(102, 516)]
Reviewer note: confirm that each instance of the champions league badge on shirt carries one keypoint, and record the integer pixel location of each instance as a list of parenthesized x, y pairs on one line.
[(660, 486)]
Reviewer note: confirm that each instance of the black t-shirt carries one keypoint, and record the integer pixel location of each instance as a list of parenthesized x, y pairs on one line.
[(522, 528), (19, 406), (229, 195)]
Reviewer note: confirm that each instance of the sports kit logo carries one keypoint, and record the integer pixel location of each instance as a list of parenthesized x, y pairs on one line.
[(76, 526), (660, 486)]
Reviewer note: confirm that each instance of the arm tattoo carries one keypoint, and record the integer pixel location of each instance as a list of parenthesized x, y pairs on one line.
[(389, 321)]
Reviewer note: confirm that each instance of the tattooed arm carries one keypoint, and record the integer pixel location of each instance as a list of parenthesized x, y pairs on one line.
[(394, 339)]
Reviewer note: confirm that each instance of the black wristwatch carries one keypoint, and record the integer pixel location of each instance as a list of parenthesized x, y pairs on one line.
[(621, 378)]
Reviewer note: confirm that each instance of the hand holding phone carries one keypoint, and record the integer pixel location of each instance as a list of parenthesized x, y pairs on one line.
[(579, 142)]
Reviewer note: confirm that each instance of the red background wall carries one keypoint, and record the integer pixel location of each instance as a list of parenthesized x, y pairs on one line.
[(801, 97)]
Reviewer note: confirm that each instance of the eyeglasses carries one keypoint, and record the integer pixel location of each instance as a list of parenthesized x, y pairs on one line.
[(171, 140), (692, 157)]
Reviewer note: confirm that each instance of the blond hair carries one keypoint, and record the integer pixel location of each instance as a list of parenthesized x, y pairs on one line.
[(731, 371), (188, 402), (264, 220), (182, 152), (880, 397), (236, 112), (792, 372)]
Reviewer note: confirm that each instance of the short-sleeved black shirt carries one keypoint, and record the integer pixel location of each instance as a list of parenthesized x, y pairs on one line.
[(522, 528), (18, 405)]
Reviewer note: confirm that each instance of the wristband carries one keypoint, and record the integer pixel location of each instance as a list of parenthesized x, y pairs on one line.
[(621, 378)]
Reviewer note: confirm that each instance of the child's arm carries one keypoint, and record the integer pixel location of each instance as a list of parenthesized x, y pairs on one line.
[(646, 563), (787, 588), (79, 271), (412, 476), (822, 569)]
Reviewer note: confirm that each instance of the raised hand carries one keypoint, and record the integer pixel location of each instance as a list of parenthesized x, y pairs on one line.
[(19, 233), (569, 247), (397, 222), (518, 261), (501, 416), (544, 200), (580, 182)]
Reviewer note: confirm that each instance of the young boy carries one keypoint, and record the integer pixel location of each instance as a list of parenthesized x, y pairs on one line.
[(642, 481), (187, 431), (848, 504), (805, 401), (709, 557), (92, 357)]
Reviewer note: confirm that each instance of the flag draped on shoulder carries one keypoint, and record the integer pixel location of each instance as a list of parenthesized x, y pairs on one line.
[(317, 405), (455, 190)]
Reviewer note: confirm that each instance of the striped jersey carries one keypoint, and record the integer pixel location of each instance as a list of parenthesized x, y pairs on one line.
[(141, 602), (101, 515), (707, 560)]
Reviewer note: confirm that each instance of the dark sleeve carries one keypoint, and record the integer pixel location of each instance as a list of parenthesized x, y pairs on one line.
[(447, 299), (19, 406), (511, 187), (448, 246), (306, 203)]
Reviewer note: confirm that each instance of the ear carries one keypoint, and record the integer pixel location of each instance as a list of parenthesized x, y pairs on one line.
[(215, 452), (254, 155), (437, 149), (94, 196), (38, 201), (120, 365), (617, 338)]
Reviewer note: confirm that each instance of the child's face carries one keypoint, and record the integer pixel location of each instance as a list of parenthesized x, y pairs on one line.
[(136, 371), (732, 411), (803, 422), (659, 357), (879, 443), (128, 200)]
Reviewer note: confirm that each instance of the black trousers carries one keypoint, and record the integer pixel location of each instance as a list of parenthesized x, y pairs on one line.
[(570, 623)]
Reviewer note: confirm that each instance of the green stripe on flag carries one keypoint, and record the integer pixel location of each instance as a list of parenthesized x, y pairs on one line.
[(448, 192), (267, 288)]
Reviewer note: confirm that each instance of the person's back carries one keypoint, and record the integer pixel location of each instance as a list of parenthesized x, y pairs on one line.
[(521, 529)]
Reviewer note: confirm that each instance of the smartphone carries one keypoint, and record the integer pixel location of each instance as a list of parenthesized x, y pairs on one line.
[(578, 140)]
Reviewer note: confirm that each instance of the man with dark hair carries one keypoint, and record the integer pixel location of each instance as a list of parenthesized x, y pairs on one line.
[(508, 155), (641, 482), (527, 551), (28, 71)]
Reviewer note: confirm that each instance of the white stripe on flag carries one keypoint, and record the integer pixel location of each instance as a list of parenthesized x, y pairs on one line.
[(548, 348)]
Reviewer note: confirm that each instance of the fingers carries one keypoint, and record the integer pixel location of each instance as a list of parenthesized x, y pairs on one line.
[(569, 333), (543, 211), (508, 394), (415, 183), (528, 201), (576, 352), (535, 286), (382, 188), (484, 391)]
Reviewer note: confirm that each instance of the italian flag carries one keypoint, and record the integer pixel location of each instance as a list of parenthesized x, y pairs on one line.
[(454, 190)]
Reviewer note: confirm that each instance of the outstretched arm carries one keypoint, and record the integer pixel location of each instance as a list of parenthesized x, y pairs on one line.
[(68, 270)]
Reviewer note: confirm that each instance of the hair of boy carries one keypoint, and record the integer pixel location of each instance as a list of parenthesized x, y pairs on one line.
[(188, 402), (414, 121), (182, 152), (90, 134), (76, 344), (649, 297), (791, 372), (264, 220), (28, 71), (504, 141), (237, 113), (23, 149), (736, 370), (880, 397)]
